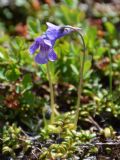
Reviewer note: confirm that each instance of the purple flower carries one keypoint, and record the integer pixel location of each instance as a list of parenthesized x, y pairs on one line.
[(45, 43)]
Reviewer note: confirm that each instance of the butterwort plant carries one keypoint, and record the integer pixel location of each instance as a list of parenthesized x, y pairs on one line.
[(45, 46)]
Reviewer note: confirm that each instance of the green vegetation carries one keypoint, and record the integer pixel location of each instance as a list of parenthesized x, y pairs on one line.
[(25, 112)]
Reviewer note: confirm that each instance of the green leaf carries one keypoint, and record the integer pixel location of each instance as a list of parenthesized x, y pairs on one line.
[(100, 52), (91, 38), (87, 66), (71, 3), (27, 83), (28, 98), (74, 69), (20, 3), (18, 43), (33, 26), (12, 74), (2, 75), (27, 80), (69, 16), (3, 53), (110, 28)]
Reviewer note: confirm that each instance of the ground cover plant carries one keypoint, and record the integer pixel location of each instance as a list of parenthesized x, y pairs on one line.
[(60, 81)]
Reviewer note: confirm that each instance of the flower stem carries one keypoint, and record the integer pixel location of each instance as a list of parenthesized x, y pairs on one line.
[(81, 70), (52, 104), (80, 76), (110, 75)]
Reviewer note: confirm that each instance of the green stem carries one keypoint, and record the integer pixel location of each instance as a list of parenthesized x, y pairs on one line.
[(44, 120), (81, 70), (52, 104), (110, 75), (80, 76)]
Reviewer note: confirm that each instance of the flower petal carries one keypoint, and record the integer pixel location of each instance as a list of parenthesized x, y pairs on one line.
[(47, 42), (50, 25), (51, 34), (52, 55), (52, 31), (41, 58), (34, 47)]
